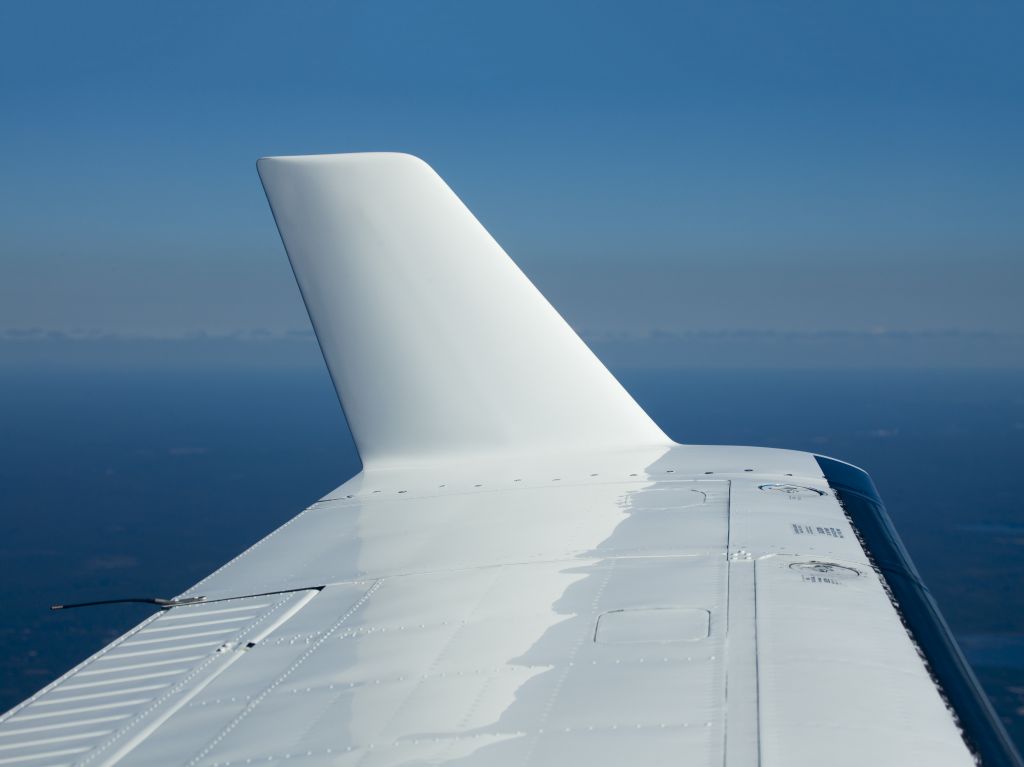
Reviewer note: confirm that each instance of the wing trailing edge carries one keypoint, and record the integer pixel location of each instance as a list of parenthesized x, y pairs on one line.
[(439, 347)]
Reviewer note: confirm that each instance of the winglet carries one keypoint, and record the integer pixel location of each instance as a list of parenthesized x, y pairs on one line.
[(440, 348)]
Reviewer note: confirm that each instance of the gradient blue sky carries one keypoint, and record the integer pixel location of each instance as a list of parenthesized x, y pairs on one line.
[(653, 167)]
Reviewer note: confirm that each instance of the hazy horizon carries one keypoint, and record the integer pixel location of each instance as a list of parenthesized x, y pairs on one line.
[(793, 168)]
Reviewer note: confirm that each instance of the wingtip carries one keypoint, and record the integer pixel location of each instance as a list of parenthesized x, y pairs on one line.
[(353, 222)]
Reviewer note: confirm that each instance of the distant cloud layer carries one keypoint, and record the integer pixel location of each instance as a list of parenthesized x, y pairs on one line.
[(28, 350)]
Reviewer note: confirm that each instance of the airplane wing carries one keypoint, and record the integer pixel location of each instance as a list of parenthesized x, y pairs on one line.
[(527, 571)]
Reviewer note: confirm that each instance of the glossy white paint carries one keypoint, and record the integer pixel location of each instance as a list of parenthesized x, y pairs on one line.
[(457, 624), (568, 603), (439, 346)]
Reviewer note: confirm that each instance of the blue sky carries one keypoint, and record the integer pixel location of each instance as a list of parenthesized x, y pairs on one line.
[(779, 167)]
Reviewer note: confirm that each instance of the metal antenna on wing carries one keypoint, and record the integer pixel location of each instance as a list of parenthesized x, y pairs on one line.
[(161, 603)]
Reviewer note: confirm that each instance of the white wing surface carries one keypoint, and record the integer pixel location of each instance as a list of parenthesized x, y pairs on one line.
[(526, 572)]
